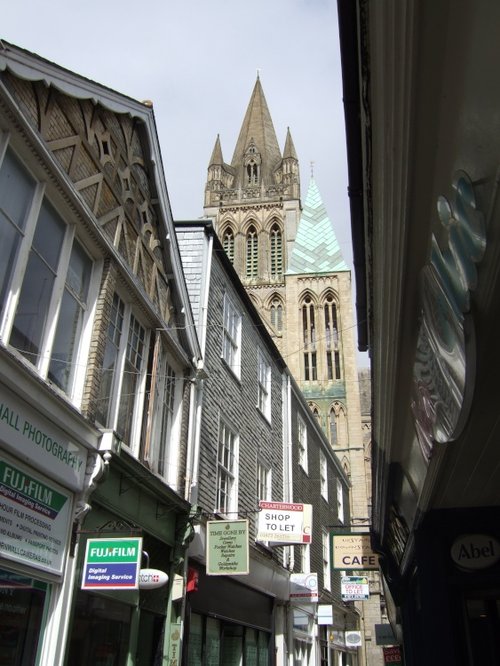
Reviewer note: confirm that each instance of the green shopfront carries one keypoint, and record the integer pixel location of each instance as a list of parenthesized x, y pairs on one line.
[(123, 626)]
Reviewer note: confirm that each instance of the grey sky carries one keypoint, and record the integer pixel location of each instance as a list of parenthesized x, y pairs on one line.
[(197, 61)]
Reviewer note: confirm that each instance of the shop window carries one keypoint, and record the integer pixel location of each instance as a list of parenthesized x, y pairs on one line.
[(45, 282), (121, 397), (22, 603), (212, 642), (100, 633)]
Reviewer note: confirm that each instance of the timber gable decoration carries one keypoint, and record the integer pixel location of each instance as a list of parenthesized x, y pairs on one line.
[(106, 150)]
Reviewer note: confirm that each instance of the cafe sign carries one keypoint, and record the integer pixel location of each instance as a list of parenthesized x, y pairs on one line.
[(353, 552)]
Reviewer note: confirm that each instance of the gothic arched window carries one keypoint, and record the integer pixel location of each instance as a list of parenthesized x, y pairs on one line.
[(228, 244), (332, 338), (276, 252), (252, 256), (277, 314), (338, 431), (252, 173), (309, 337)]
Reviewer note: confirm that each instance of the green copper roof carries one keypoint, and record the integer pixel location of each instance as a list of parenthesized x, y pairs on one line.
[(316, 249)]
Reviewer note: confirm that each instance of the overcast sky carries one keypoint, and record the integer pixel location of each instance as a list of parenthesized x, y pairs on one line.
[(197, 61)]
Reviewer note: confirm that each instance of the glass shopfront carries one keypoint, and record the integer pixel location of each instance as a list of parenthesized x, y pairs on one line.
[(23, 602), (101, 630), (214, 642)]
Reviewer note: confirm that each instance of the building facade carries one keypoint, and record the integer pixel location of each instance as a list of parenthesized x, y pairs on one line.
[(420, 87), (97, 350), (257, 442)]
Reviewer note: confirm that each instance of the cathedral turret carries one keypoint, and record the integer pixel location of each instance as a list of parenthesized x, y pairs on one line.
[(220, 176), (290, 168)]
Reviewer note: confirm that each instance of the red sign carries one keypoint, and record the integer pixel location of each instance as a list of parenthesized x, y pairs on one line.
[(392, 655)]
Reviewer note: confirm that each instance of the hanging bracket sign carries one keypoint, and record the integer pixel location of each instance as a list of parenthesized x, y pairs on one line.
[(112, 564)]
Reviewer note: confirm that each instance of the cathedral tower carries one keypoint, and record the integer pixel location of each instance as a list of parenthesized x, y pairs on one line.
[(290, 262)]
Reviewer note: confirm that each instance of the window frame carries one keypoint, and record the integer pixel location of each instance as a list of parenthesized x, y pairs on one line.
[(227, 434), (263, 384), (302, 443), (323, 475), (327, 576), (117, 382), (263, 489), (163, 453), (41, 207), (231, 337), (340, 502)]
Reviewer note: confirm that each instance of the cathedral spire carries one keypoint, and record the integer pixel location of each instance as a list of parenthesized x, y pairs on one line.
[(316, 248), (216, 158), (257, 135), (289, 151)]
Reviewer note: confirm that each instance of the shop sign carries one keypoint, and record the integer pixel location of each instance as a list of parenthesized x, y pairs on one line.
[(384, 634), (353, 639), (227, 548), (150, 579), (444, 369), (304, 588), (336, 637), (392, 655), (35, 516), (177, 587), (284, 523), (112, 564), (475, 551), (353, 552), (29, 435), (174, 648), (325, 614), (355, 588)]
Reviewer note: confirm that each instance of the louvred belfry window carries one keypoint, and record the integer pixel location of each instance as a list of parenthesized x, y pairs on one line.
[(276, 252), (228, 244), (252, 262)]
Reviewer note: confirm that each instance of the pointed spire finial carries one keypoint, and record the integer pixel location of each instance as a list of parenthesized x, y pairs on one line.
[(258, 73), (312, 169)]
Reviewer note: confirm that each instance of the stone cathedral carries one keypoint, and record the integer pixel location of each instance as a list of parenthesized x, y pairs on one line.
[(289, 260)]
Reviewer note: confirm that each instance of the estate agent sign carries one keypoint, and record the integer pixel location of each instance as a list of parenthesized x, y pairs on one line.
[(284, 523)]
